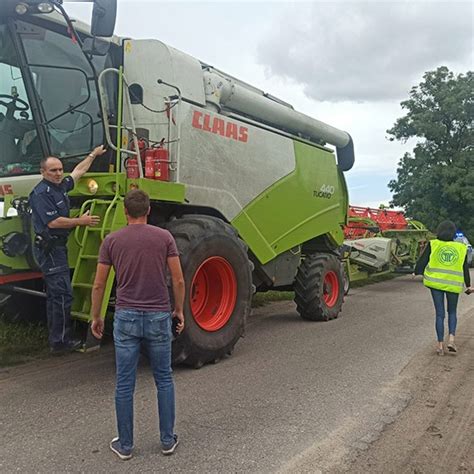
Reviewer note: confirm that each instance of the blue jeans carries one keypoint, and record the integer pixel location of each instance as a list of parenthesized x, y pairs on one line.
[(438, 300), (153, 329)]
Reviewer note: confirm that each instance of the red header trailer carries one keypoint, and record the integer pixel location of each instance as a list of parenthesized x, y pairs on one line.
[(366, 221)]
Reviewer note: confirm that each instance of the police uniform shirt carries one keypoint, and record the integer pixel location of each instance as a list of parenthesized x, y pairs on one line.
[(49, 201)]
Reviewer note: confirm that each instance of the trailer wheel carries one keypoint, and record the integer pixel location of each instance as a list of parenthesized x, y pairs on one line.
[(218, 279), (319, 287)]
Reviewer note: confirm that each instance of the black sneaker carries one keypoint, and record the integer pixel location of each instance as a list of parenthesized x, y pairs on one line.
[(70, 346), (170, 449), (116, 447)]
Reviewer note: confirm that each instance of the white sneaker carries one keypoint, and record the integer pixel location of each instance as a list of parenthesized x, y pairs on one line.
[(170, 450), (452, 347)]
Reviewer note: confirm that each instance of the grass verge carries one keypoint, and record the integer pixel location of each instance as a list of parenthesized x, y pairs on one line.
[(21, 342), (262, 299), (375, 279)]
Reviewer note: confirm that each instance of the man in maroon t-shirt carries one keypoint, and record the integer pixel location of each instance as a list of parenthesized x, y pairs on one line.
[(140, 255)]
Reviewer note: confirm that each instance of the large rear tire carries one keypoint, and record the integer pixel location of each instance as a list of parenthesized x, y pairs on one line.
[(218, 278), (319, 287)]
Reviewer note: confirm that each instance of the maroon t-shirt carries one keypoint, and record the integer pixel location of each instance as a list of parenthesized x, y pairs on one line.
[(139, 255)]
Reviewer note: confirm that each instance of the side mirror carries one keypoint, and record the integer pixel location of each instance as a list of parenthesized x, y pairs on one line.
[(95, 47), (103, 17)]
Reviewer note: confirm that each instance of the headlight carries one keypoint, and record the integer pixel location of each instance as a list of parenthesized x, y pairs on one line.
[(45, 7), (93, 186), (21, 8)]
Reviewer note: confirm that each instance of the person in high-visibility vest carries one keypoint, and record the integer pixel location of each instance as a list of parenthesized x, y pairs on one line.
[(445, 271)]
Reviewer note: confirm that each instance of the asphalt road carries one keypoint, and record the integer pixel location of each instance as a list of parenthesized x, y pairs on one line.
[(295, 396)]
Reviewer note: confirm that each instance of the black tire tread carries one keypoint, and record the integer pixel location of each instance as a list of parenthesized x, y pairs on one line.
[(188, 231), (308, 282)]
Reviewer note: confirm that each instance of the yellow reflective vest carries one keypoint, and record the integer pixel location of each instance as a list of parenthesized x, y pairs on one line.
[(445, 267)]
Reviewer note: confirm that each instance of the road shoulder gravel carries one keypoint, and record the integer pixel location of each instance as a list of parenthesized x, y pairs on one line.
[(434, 432)]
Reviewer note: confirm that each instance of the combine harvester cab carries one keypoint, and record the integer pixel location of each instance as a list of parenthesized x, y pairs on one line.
[(246, 184), (49, 105)]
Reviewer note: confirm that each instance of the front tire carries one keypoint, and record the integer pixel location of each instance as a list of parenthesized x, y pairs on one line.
[(347, 280), (319, 287), (218, 279)]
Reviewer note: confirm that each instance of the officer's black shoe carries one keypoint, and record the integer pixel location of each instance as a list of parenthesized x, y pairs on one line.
[(70, 346)]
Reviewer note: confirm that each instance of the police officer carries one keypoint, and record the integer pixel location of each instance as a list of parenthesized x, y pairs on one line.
[(49, 203)]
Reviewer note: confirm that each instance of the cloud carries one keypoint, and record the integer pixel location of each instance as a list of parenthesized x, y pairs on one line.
[(366, 51)]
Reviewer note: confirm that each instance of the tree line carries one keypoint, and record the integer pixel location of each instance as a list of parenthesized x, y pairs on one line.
[(436, 180)]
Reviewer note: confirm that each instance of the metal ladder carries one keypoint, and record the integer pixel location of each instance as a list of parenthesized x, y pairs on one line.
[(111, 212), (89, 240)]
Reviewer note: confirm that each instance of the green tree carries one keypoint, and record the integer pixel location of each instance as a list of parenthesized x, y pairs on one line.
[(436, 181)]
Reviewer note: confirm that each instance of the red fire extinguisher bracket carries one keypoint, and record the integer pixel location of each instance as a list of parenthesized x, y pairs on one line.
[(131, 166), (161, 164), (150, 163)]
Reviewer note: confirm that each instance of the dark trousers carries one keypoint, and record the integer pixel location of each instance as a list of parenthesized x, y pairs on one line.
[(55, 268)]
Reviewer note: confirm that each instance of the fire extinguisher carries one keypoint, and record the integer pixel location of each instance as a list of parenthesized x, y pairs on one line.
[(161, 171), (149, 163), (142, 144), (132, 168), (131, 163)]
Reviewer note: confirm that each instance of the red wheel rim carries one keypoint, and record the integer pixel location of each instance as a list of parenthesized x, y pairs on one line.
[(213, 293), (330, 289)]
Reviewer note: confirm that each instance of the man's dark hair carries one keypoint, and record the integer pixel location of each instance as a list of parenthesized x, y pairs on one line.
[(137, 203), (446, 231)]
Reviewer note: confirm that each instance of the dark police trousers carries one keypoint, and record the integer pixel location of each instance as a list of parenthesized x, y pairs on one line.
[(56, 273)]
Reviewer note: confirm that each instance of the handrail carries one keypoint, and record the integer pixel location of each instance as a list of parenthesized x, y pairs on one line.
[(112, 204), (124, 99), (107, 213), (104, 101), (118, 155), (172, 104), (77, 229)]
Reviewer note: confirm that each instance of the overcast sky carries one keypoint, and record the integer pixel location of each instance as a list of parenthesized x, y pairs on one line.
[(347, 63)]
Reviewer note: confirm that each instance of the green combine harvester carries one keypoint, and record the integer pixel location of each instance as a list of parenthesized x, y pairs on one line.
[(252, 190)]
